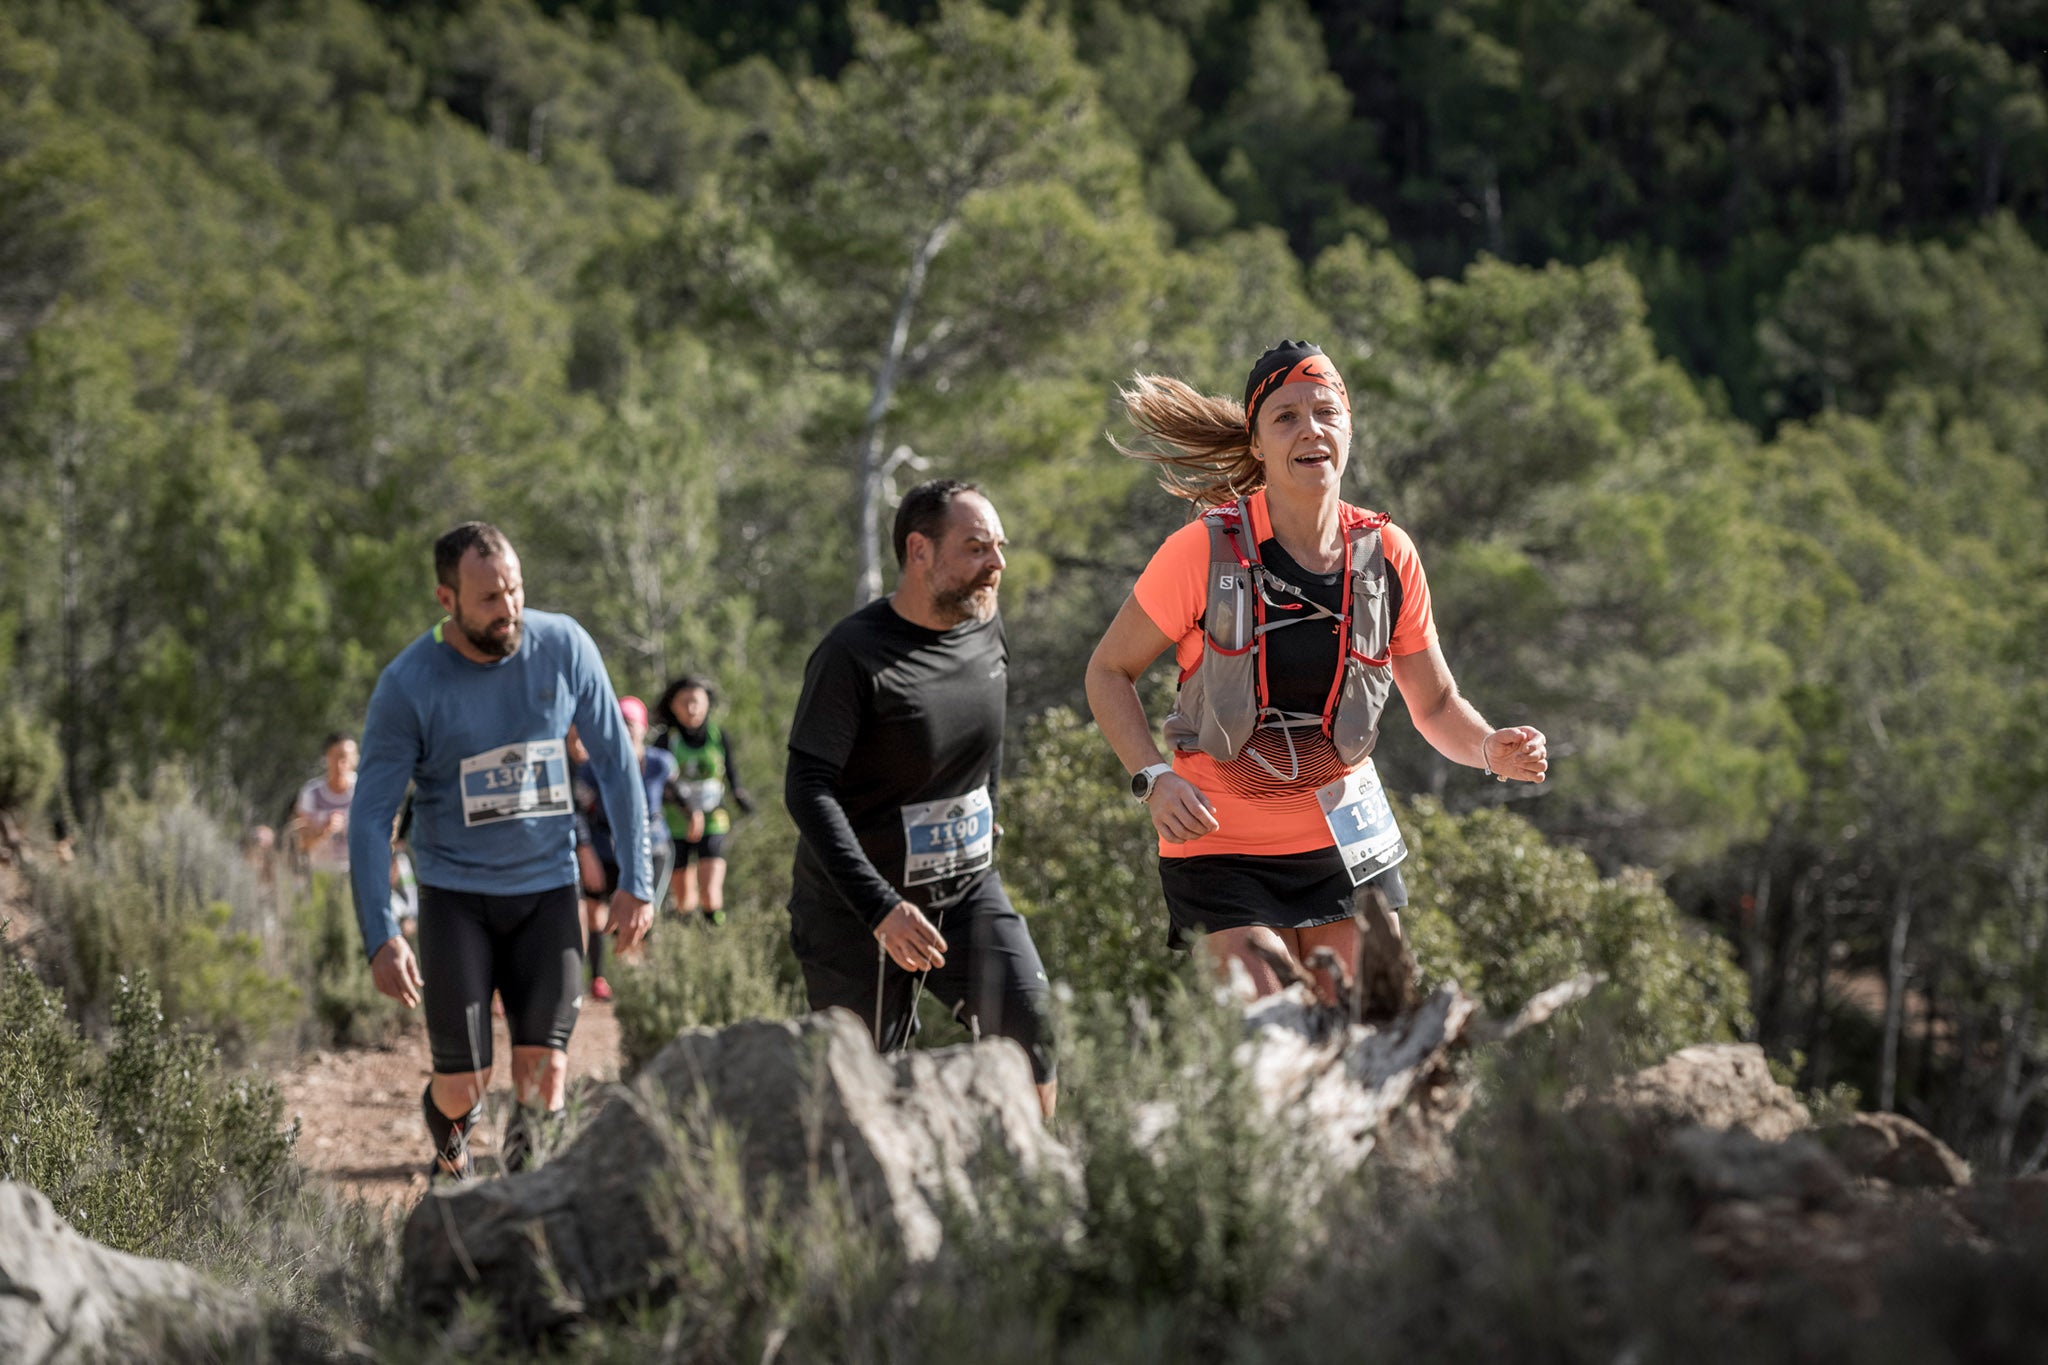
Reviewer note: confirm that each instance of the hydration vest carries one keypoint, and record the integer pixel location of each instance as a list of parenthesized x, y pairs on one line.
[(1224, 697), (698, 762), (700, 780)]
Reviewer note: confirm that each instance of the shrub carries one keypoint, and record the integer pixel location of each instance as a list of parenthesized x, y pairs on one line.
[(691, 974), (1080, 860), (1194, 1225), (1498, 909), (161, 887), (346, 1009), (145, 1148), (29, 760)]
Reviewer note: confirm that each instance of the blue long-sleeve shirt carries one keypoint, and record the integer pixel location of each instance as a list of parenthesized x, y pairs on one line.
[(483, 745)]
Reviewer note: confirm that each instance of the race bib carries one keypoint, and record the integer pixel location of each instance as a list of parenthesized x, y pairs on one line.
[(705, 796), (516, 782), (1358, 814), (948, 838)]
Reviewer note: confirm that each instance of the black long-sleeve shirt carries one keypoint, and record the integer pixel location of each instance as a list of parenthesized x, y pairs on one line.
[(892, 716)]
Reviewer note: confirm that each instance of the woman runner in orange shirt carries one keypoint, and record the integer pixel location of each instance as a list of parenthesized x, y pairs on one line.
[(1289, 612)]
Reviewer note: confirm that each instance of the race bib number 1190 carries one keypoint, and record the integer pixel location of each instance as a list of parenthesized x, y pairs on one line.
[(948, 838), (516, 782), (1356, 807)]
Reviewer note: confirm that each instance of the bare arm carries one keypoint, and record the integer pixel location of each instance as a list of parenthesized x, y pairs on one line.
[(1454, 727), (1179, 810)]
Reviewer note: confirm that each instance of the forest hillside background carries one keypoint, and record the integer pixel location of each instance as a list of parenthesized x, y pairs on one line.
[(1702, 347)]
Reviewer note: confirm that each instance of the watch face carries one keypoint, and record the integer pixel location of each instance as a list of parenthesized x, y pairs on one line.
[(1141, 785)]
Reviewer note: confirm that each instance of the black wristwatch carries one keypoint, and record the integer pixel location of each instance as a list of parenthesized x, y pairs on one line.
[(1143, 780)]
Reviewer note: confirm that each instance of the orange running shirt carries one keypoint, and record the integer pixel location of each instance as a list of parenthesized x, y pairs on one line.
[(1256, 812)]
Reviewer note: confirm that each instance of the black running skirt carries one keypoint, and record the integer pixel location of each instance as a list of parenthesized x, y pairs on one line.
[(1278, 891)]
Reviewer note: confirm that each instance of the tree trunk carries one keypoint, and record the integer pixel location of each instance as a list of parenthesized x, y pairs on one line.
[(537, 132), (1496, 233), (1929, 1021), (2016, 1035), (1786, 943), (71, 725), (1838, 120), (1819, 1053), (1895, 998), (1993, 174), (1894, 139), (1753, 945), (872, 473)]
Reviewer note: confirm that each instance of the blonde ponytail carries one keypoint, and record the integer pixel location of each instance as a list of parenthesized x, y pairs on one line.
[(1200, 443)]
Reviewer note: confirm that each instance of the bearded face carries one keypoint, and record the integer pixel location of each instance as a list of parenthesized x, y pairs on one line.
[(967, 561), (487, 603)]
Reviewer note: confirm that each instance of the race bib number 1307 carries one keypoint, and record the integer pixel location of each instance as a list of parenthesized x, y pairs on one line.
[(516, 782)]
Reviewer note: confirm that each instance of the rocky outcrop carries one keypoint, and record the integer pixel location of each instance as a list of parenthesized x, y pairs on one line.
[(1721, 1086), (1896, 1150), (66, 1298), (1781, 1208), (810, 1107)]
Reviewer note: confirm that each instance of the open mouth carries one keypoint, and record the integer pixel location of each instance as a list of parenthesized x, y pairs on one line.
[(1311, 459)]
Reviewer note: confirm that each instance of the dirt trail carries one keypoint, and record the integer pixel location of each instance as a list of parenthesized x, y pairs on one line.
[(360, 1127)]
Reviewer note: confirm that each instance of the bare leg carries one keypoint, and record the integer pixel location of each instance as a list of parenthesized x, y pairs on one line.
[(711, 884), (540, 1075), (1340, 938), (685, 887), (456, 1092), (1235, 945), (1049, 1097)]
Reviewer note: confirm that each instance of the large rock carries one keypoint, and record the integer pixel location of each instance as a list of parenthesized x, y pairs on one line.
[(1896, 1150), (1721, 1085), (811, 1105), (64, 1297)]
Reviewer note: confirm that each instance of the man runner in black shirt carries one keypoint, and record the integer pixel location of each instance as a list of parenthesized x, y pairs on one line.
[(894, 756)]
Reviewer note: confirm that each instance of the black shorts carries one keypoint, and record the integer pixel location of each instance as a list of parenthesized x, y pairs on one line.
[(1280, 891), (528, 948), (993, 980), (710, 846)]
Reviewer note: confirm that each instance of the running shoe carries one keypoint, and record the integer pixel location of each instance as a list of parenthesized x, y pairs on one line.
[(715, 918), (600, 989), (528, 1134), (517, 1153), (457, 1157)]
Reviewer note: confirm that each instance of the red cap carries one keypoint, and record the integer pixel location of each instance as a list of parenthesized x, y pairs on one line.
[(633, 709)]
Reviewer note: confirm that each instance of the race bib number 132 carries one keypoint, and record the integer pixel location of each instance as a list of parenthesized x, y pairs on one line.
[(1356, 808), (516, 782)]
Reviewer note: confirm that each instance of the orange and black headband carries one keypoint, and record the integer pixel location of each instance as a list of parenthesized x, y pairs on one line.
[(1291, 362)]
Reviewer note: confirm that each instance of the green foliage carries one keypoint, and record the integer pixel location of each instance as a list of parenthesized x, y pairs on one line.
[(29, 761), (343, 1006), (292, 287), (692, 975), (1080, 863), (139, 1148), (1496, 908), (162, 889)]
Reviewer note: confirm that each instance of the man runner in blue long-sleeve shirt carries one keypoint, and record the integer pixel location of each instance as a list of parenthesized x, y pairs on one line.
[(473, 714)]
